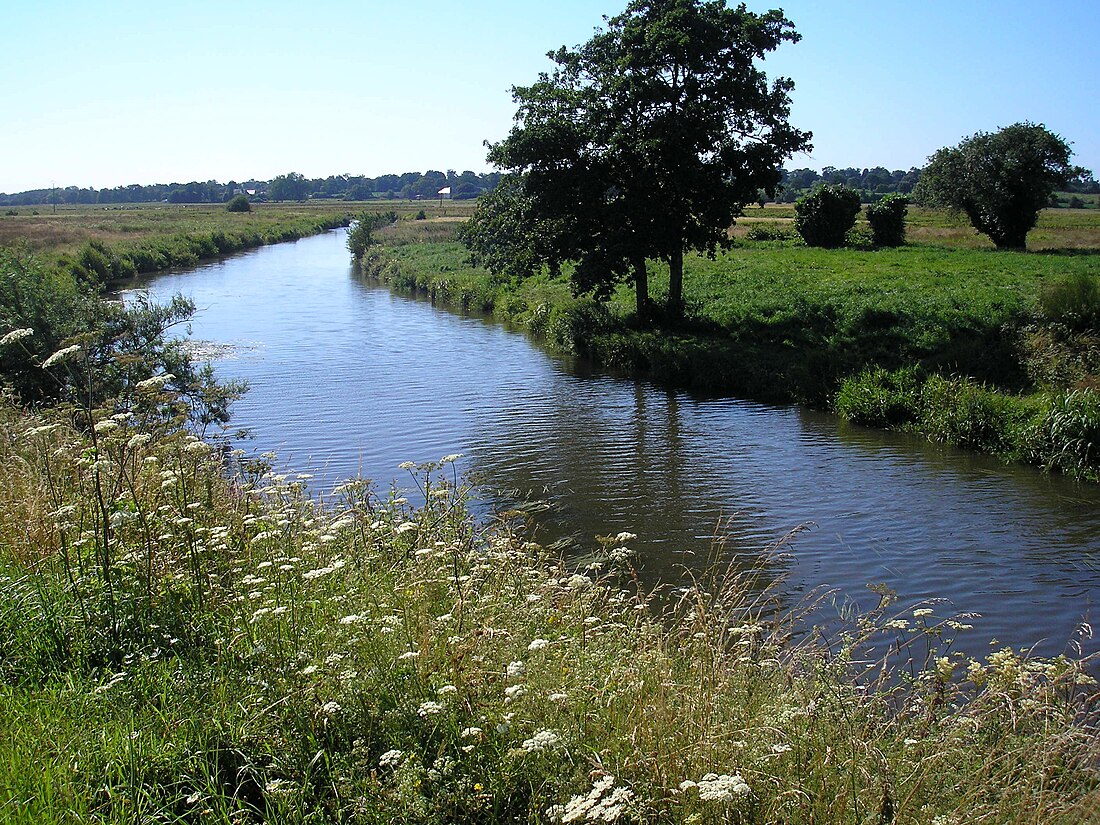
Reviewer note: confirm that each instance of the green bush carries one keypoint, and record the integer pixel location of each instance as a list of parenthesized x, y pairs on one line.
[(1073, 301), (887, 219), (770, 232), (421, 215), (824, 216), (880, 398), (239, 204)]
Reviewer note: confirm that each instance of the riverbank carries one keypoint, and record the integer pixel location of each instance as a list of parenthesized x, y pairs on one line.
[(181, 644), (776, 321), (98, 245)]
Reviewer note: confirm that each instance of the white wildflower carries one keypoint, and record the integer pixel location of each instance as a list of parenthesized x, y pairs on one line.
[(330, 708), (155, 381), (446, 690), (60, 355), (922, 611), (625, 537), (724, 788), (541, 741), (514, 692), (558, 697), (390, 758), (470, 732), (516, 670), (138, 440), (450, 459), (406, 465), (16, 335), (408, 655), (404, 527), (105, 425), (429, 709), (780, 748), (537, 644)]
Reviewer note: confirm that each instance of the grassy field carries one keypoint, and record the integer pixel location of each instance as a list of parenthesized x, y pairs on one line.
[(182, 645)]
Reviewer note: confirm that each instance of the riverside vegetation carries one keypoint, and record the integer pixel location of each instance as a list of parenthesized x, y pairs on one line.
[(997, 350)]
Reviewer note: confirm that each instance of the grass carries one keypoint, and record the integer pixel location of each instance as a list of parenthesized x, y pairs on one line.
[(181, 644)]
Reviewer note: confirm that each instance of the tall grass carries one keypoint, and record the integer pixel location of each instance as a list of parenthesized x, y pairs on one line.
[(183, 644)]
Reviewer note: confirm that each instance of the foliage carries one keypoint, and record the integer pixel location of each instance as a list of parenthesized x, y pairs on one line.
[(824, 217), (649, 139), (239, 203), (770, 231), (182, 645), (1072, 301), (887, 220), (1000, 181), (361, 233)]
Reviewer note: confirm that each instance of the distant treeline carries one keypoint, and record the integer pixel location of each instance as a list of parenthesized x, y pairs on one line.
[(872, 184), (289, 187)]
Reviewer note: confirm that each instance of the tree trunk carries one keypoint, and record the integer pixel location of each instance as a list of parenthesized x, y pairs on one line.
[(641, 287), (676, 284)]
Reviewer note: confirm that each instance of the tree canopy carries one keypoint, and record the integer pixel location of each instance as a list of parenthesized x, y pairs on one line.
[(1001, 181), (646, 141)]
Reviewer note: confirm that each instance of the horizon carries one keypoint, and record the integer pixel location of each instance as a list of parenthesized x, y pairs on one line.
[(252, 91)]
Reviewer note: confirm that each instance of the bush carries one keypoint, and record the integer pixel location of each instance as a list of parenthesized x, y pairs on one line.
[(879, 398), (887, 219), (421, 215), (1073, 301), (239, 204), (770, 232), (824, 216)]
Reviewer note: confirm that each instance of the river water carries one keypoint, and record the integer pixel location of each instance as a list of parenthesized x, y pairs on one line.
[(349, 379)]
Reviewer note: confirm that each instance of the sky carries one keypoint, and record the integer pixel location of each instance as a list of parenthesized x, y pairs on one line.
[(103, 93)]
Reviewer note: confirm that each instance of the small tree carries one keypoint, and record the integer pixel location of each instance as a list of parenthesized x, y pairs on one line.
[(239, 203), (1000, 180), (361, 232), (824, 217), (887, 219)]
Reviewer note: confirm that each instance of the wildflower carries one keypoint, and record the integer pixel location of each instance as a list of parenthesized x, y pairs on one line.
[(138, 440), (537, 644), (557, 697), (60, 355), (541, 741), (578, 582), (516, 670), (404, 527), (514, 692), (406, 465), (450, 459), (922, 611), (408, 655), (105, 425), (390, 758), (155, 381), (780, 748), (604, 803), (16, 335), (469, 732), (724, 788), (446, 690), (429, 709), (330, 708), (622, 538)]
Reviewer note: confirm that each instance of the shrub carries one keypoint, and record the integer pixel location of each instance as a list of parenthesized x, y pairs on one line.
[(878, 398), (770, 232), (1073, 301), (239, 204), (824, 216), (887, 219), (421, 215)]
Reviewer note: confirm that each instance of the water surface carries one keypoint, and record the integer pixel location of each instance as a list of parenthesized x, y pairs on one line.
[(347, 378)]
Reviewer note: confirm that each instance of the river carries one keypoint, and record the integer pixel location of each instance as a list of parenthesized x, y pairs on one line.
[(349, 379)]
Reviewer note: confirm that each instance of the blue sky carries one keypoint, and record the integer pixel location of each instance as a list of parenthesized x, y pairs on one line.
[(115, 92)]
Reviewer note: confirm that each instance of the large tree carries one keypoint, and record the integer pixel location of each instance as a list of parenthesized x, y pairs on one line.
[(649, 139), (1000, 180)]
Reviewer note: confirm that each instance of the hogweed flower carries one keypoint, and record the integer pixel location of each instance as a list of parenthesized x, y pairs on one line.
[(61, 355), (16, 335)]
